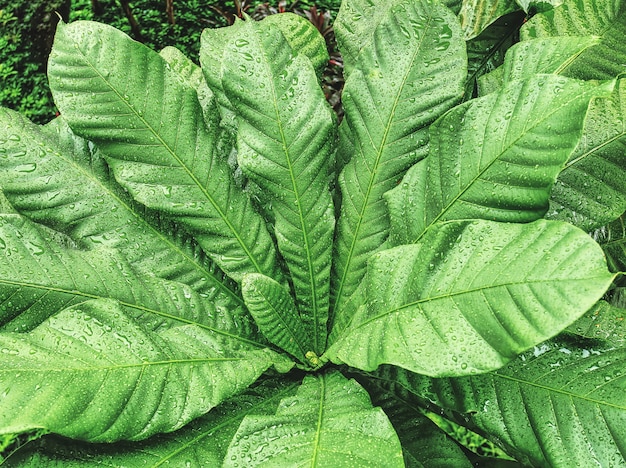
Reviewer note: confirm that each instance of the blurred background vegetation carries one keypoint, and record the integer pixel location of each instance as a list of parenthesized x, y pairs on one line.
[(27, 31)]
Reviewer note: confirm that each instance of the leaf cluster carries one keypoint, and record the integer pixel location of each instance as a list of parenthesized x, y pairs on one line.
[(199, 265)]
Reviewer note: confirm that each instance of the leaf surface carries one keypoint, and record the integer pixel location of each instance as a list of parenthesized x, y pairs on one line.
[(111, 379), (285, 144), (329, 422), (68, 189), (612, 239), (275, 313), (495, 157), (561, 404), (201, 443), (476, 15), (604, 322), (603, 18), (590, 191), (39, 277), (388, 107), (103, 83), (471, 295)]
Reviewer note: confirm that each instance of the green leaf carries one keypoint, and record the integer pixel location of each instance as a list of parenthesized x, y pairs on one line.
[(495, 157), (285, 144), (559, 405), (389, 102), (486, 52), (112, 379), (329, 422), (476, 15), (590, 191), (612, 239), (546, 55), (103, 93), (302, 36), (424, 445), (275, 313), (604, 322), (69, 189), (39, 278), (201, 443), (603, 18), (471, 295)]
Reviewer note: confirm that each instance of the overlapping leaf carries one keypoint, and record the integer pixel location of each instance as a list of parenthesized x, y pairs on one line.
[(201, 443), (329, 422), (590, 191), (471, 295), (285, 143), (51, 176), (605, 322), (603, 18), (560, 405), (111, 379), (496, 157), (105, 84), (39, 278), (389, 102), (612, 238)]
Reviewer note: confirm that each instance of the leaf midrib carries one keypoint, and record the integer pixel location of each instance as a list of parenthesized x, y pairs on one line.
[(374, 171), (89, 296), (176, 158)]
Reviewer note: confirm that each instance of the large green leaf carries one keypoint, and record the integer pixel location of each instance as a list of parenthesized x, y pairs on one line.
[(476, 15), (200, 444), (603, 18), (560, 405), (68, 189), (103, 82), (329, 422), (285, 145), (112, 379), (39, 278), (495, 157), (590, 191), (471, 295), (389, 102)]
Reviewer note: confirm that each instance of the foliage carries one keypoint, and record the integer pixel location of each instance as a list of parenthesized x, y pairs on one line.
[(201, 266)]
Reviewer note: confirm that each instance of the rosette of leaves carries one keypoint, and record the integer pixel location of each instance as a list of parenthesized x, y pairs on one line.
[(201, 267)]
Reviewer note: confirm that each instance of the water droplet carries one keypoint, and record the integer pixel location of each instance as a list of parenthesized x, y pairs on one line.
[(30, 167)]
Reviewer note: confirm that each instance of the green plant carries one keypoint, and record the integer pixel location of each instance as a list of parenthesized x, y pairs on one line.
[(201, 267)]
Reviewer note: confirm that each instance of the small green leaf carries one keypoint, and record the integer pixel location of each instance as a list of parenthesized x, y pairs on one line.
[(329, 422), (476, 15), (470, 296), (275, 313)]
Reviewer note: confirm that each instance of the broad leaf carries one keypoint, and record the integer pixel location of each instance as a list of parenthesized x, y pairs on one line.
[(68, 189), (202, 443), (111, 379), (284, 142), (472, 295), (560, 405), (329, 422), (495, 157), (590, 191), (173, 166), (389, 102), (275, 313), (39, 277), (603, 18)]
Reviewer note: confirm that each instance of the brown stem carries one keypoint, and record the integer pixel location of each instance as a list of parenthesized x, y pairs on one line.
[(134, 25), (169, 9)]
